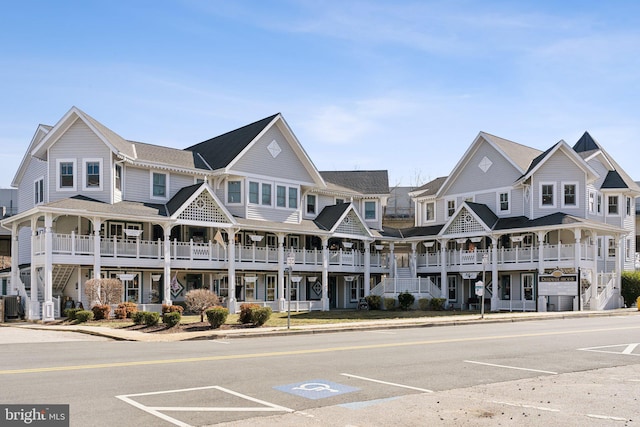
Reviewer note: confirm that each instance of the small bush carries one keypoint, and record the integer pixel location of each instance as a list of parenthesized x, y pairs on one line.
[(406, 300), (198, 300), (260, 315), (70, 313), (389, 303), (152, 318), (424, 304), (630, 289), (172, 309), (216, 316), (437, 304), (172, 318), (101, 312), (120, 313), (246, 315), (138, 317), (83, 316), (374, 301), (129, 308), (638, 303)]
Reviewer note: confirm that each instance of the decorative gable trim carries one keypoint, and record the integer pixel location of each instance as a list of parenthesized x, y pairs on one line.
[(203, 206), (464, 222), (591, 174)]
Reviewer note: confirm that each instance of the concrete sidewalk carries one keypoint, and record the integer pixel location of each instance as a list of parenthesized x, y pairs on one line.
[(459, 319)]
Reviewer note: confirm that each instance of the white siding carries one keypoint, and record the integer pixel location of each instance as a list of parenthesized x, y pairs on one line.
[(79, 143), (26, 198), (258, 161), (558, 169)]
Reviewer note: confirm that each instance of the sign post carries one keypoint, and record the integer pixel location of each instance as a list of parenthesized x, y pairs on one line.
[(291, 261)]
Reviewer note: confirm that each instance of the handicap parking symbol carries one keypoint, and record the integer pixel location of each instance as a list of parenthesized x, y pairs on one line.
[(316, 389)]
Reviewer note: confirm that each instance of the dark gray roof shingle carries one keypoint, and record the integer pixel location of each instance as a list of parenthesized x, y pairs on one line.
[(365, 182), (330, 215)]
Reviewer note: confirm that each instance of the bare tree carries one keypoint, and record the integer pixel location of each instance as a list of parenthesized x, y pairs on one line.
[(103, 291), (198, 300)]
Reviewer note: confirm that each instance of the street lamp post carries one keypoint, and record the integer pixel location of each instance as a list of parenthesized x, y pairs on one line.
[(485, 259)]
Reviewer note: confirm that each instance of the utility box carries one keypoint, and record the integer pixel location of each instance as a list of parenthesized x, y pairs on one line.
[(11, 307)]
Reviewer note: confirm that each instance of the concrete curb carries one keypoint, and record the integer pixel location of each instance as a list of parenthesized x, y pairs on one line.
[(424, 322)]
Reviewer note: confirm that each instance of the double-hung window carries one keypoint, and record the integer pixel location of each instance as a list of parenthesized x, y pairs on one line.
[(570, 194), (311, 204), (504, 202), (612, 205), (293, 198), (547, 197), (38, 191), (66, 174), (92, 174), (266, 194), (254, 192), (159, 185), (281, 196), (451, 208), (118, 177), (430, 211), (234, 192), (370, 210)]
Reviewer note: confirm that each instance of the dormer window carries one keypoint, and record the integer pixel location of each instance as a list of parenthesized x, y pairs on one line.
[(159, 185), (92, 174), (311, 204)]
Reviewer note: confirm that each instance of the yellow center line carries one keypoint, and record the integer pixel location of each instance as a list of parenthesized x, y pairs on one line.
[(300, 352)]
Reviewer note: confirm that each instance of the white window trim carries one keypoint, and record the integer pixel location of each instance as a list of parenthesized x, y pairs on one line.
[(273, 196), (306, 205), (446, 207), (115, 187), (555, 195), (592, 208), (599, 200), (600, 248), (84, 174), (426, 220), (606, 210), (498, 206), (286, 196), (375, 210), (249, 202), (615, 248), (629, 206), (627, 249), (41, 199), (577, 204), (75, 174), (166, 183), (226, 192)]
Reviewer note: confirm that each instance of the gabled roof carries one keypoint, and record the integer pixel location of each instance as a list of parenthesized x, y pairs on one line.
[(429, 189), (407, 233), (518, 155), (40, 133), (483, 212), (158, 156), (220, 151), (330, 215), (181, 197), (564, 147), (365, 182), (119, 209), (587, 146)]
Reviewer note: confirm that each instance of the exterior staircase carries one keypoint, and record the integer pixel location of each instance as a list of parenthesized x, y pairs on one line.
[(61, 275), (404, 273)]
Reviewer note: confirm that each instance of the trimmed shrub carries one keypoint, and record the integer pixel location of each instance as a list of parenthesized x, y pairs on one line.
[(101, 312), (138, 317), (638, 303), (172, 318), (216, 316), (70, 313), (406, 300), (630, 289), (374, 301), (437, 304), (120, 313), (129, 307), (172, 309), (424, 304), (260, 315), (246, 315), (152, 318), (83, 316), (389, 303)]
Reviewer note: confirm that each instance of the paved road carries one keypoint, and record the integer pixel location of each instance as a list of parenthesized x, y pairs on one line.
[(15, 335), (570, 372)]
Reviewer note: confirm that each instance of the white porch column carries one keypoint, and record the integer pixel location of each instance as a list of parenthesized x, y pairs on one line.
[(15, 255), (414, 269), (231, 270), (33, 310), (392, 259), (444, 285), (80, 286), (325, 274), (576, 265), (540, 235), (47, 308), (166, 293), (367, 267), (620, 260), (97, 223), (594, 276), (281, 260), (495, 298)]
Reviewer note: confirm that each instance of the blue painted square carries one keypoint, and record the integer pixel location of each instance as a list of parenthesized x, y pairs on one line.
[(316, 389)]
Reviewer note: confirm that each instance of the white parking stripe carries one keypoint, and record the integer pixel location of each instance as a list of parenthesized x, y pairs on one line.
[(424, 390), (511, 367), (520, 405)]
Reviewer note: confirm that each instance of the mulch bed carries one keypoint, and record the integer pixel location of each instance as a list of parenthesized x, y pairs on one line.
[(188, 327)]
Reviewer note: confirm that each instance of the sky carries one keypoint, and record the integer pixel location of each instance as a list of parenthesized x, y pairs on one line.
[(399, 85)]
